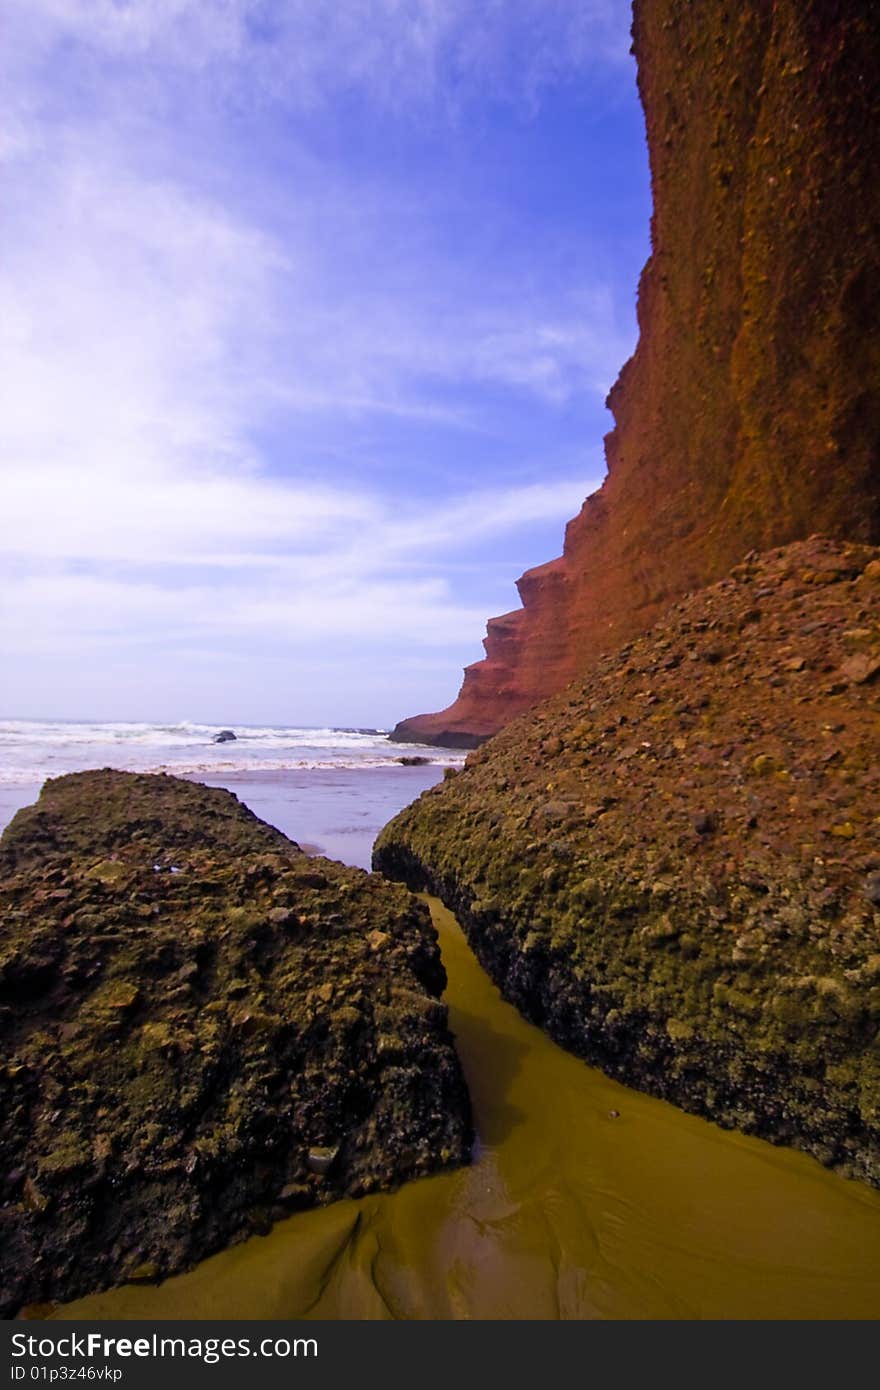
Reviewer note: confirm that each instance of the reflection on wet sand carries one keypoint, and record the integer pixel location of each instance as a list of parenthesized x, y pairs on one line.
[(586, 1200)]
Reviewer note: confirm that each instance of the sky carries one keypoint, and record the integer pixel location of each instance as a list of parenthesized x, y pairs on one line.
[(308, 312)]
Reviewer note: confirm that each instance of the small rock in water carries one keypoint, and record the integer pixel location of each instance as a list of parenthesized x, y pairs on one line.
[(224, 736), (321, 1160)]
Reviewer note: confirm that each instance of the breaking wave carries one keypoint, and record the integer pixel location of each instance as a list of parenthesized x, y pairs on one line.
[(31, 751)]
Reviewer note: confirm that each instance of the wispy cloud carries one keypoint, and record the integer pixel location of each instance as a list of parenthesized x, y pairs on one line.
[(198, 335), (399, 51), (138, 363)]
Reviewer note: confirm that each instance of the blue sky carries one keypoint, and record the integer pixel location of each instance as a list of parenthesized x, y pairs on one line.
[(308, 310)]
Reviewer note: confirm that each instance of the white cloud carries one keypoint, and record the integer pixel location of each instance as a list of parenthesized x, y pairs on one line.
[(156, 323), (365, 596), (303, 51), (557, 360), (145, 333), (77, 616)]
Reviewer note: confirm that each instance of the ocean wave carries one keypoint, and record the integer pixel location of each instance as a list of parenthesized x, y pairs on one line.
[(17, 733), (33, 775), (32, 751)]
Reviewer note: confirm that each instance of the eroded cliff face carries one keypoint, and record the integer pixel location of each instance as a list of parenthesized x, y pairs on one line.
[(749, 415)]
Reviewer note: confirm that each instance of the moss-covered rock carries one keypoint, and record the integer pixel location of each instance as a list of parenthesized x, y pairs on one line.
[(673, 866), (201, 1028)]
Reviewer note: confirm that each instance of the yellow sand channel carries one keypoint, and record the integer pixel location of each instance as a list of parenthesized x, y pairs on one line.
[(569, 1211)]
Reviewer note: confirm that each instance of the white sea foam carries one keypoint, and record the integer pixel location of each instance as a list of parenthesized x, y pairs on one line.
[(31, 751)]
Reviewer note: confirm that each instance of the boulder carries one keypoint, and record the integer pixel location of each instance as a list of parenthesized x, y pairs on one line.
[(199, 1027), (672, 866)]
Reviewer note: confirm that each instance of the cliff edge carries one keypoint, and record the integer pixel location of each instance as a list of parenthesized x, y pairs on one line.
[(749, 415)]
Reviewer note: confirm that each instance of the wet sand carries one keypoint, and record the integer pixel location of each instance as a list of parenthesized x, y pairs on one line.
[(337, 812), (567, 1212), (13, 798)]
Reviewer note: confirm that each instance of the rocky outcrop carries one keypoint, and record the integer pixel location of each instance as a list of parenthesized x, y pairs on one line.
[(201, 1028), (673, 866), (750, 413)]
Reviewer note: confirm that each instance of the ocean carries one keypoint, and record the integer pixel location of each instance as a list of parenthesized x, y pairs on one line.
[(330, 789)]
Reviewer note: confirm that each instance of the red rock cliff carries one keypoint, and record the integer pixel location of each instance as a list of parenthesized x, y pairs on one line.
[(749, 415)]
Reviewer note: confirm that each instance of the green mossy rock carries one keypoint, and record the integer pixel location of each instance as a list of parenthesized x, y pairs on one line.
[(674, 865), (189, 1008)]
